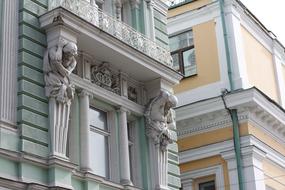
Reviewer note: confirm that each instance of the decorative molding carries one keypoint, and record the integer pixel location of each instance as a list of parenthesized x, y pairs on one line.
[(160, 119), (207, 122), (59, 62), (134, 57), (213, 170), (252, 107), (103, 76), (105, 95), (85, 10)]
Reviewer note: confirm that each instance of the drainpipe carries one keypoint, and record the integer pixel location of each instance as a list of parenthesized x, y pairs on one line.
[(232, 112), (236, 138)]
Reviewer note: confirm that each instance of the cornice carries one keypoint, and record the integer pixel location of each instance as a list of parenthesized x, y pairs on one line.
[(253, 107), (160, 6)]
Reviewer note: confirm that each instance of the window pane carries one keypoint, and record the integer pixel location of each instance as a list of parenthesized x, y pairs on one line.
[(175, 59), (98, 118), (181, 41), (189, 62), (207, 186), (99, 154)]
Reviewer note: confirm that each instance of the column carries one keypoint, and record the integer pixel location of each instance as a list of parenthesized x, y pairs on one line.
[(118, 7), (135, 14), (150, 5), (8, 62), (84, 131), (124, 148)]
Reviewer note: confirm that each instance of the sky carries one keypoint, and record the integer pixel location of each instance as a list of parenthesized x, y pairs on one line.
[(271, 13)]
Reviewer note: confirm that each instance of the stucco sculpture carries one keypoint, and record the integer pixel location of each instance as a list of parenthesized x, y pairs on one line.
[(160, 119), (59, 62)]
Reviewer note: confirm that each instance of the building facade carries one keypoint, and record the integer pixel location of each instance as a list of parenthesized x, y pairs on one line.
[(230, 117), (85, 96)]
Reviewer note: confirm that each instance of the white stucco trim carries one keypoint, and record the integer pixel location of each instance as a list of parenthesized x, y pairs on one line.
[(213, 170), (200, 93)]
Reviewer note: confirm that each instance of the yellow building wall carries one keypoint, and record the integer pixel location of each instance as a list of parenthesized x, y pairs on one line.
[(260, 66), (210, 137), (205, 163), (226, 133), (187, 7), (221, 135), (274, 175), (206, 52)]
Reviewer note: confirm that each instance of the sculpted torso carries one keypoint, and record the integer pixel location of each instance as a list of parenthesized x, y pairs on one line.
[(59, 62)]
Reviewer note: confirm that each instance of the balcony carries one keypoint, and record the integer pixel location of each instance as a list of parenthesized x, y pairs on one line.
[(125, 33)]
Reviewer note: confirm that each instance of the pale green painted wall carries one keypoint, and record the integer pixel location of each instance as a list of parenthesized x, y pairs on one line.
[(144, 154), (161, 35), (32, 116), (174, 181)]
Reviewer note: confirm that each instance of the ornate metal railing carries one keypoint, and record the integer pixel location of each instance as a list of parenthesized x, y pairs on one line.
[(89, 12)]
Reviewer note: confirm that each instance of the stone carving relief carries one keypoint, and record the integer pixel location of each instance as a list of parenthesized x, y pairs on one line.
[(59, 62), (103, 76), (132, 94), (160, 118)]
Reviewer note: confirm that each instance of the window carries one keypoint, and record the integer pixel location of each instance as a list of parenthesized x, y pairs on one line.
[(99, 148), (131, 149), (183, 53), (210, 185)]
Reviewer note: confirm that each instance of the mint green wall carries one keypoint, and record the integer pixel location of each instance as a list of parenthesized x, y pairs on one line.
[(173, 168), (161, 35), (144, 153), (32, 104)]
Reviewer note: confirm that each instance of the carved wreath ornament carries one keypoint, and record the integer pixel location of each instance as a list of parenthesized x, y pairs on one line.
[(102, 76)]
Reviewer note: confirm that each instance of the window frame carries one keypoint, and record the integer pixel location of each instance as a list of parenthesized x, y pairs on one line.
[(106, 133), (206, 182), (180, 55)]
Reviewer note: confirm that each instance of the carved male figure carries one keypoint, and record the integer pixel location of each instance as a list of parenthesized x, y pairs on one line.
[(160, 118), (59, 62)]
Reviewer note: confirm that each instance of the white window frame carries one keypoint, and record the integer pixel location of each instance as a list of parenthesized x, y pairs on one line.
[(188, 177), (106, 133)]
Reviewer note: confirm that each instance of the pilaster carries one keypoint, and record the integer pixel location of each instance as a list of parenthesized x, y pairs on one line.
[(230, 159), (8, 66), (253, 168), (236, 46), (150, 25), (124, 148), (84, 131), (135, 14)]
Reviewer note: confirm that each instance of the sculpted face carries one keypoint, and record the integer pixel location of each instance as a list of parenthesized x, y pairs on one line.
[(70, 49)]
